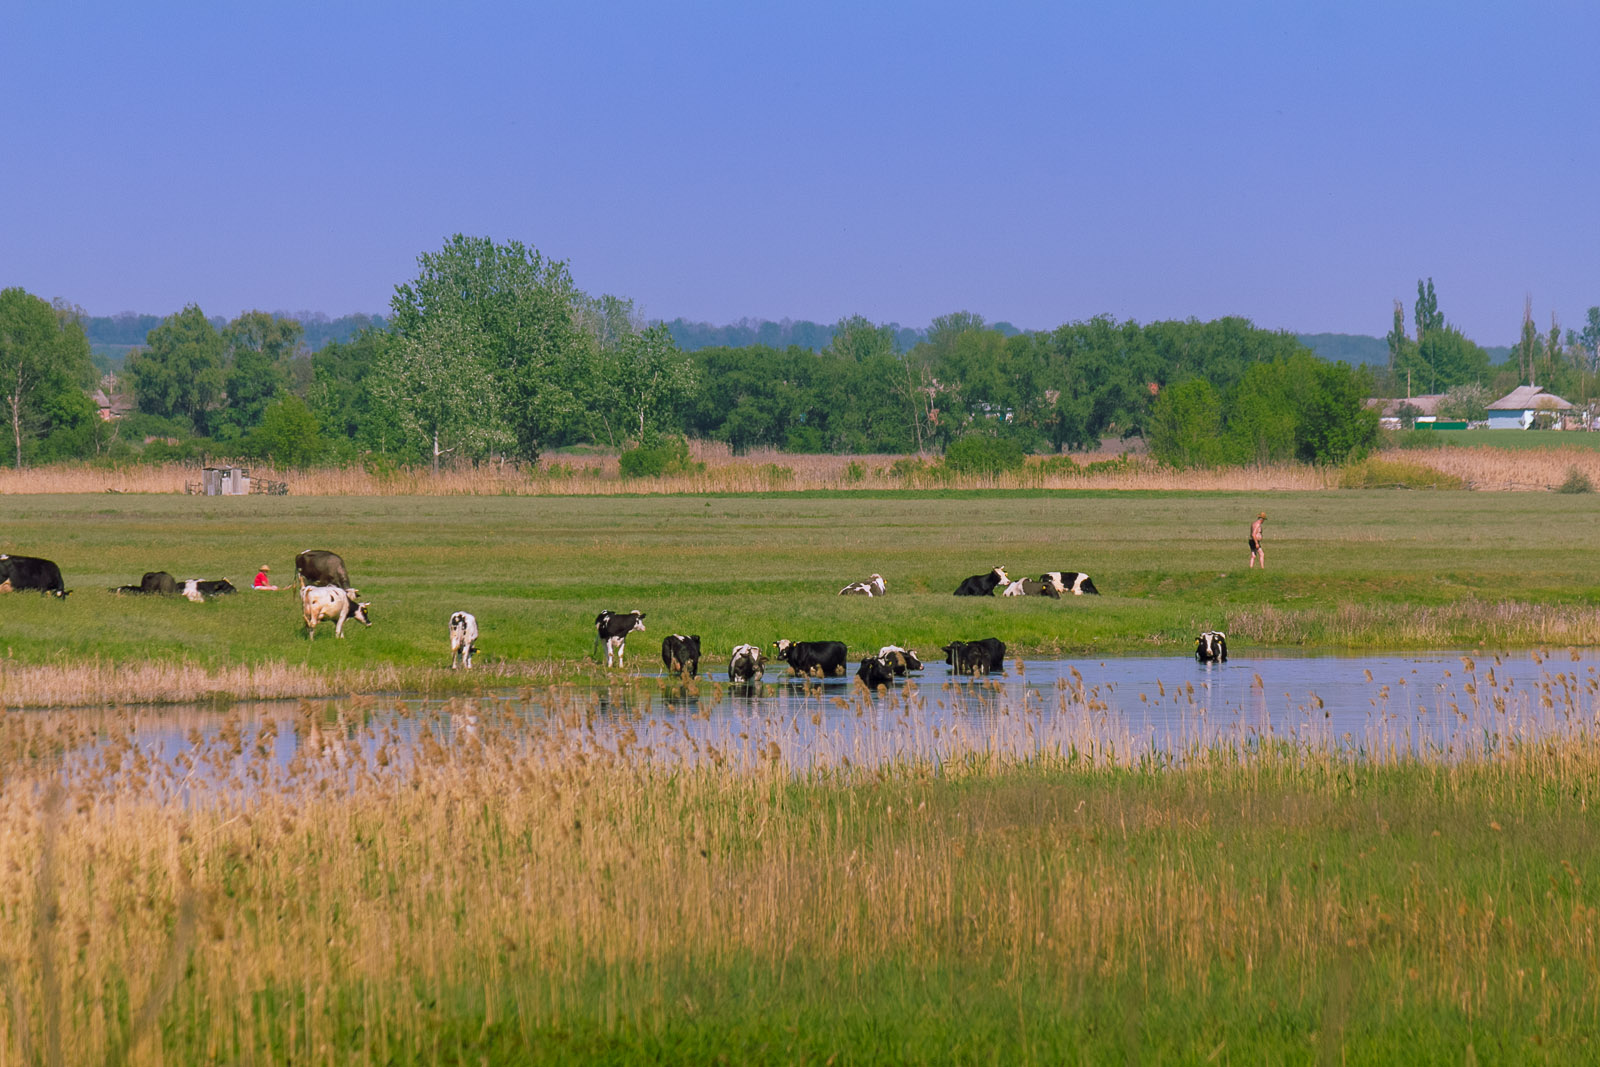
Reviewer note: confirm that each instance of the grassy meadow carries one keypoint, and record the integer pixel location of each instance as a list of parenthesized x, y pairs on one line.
[(1346, 570)]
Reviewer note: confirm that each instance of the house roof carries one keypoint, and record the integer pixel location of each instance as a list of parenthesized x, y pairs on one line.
[(1529, 398), (1389, 407)]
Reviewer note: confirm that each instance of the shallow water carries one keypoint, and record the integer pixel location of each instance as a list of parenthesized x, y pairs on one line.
[(1115, 709)]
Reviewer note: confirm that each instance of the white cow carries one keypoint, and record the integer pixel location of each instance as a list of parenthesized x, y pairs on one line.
[(319, 602), (463, 639), (873, 586)]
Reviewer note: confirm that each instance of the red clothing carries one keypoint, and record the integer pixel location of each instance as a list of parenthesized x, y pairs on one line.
[(261, 579)]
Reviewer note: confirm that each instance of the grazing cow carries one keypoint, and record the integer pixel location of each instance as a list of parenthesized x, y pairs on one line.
[(825, 657), (1075, 582), (316, 566), (983, 584), (198, 589), (319, 602), (873, 673), (976, 657), (1211, 647), (463, 639), (614, 629), (899, 659), (874, 586), (18, 573), (680, 654), (746, 664)]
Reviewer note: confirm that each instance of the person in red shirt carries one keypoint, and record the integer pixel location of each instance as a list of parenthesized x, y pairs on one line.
[(262, 581)]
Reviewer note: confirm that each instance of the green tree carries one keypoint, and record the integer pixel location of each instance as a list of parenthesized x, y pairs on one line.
[(1428, 316), (1185, 427), (288, 433), (643, 383), (442, 390), (1400, 346), (1588, 339), (341, 395), (44, 355), (1468, 402), (519, 309), (179, 372), (258, 348)]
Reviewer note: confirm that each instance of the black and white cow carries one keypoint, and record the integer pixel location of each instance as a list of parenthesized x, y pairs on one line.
[(983, 584), (746, 664), (976, 657), (1075, 582), (463, 639), (873, 673), (154, 583), (1029, 587), (827, 658), (681, 654), (1211, 647), (20, 573), (319, 603), (873, 586), (198, 589), (613, 628), (899, 659), (317, 566)]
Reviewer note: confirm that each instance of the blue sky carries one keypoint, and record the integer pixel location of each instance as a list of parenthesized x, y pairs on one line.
[(1298, 164)]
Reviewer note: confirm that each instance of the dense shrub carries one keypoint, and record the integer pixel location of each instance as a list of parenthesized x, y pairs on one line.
[(1577, 482), (1396, 474), (979, 454), (669, 457)]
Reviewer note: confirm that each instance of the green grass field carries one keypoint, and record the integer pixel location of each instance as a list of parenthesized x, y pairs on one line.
[(1518, 440), (1346, 570)]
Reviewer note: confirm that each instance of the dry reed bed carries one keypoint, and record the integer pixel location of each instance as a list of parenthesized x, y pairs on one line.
[(1508, 624), (599, 476), (1488, 468), (377, 874)]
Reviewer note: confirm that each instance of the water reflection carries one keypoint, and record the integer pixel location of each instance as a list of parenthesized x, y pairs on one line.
[(1114, 710)]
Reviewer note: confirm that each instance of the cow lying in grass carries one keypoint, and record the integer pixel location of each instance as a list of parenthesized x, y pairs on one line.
[(983, 584), (873, 586)]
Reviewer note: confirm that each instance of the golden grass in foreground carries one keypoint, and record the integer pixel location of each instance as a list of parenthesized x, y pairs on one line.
[(492, 877)]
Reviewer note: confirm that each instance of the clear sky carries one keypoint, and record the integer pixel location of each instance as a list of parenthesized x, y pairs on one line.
[(1301, 164)]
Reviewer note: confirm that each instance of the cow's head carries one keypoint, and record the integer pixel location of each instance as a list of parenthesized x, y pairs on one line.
[(358, 610), (1000, 574), (782, 645)]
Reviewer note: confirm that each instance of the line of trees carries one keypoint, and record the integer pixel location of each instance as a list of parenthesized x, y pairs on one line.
[(491, 352)]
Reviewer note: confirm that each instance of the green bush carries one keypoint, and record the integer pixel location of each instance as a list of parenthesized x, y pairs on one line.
[(1055, 465), (669, 457), (907, 467), (1577, 482), (979, 454), (854, 472), (1396, 474)]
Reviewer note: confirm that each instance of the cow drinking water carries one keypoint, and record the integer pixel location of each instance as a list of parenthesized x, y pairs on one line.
[(680, 654)]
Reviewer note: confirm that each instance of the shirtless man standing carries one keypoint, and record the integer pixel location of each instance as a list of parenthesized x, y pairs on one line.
[(1256, 551)]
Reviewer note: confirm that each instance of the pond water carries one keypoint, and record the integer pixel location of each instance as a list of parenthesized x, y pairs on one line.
[(1112, 709)]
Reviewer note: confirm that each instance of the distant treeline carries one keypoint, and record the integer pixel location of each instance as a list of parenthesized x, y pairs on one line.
[(786, 333), (112, 337)]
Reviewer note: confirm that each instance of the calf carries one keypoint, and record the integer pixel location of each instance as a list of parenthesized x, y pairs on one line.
[(316, 566), (1075, 582), (899, 659), (18, 573), (154, 583), (983, 584), (614, 629), (1029, 587), (976, 657), (746, 664), (463, 639), (1211, 647), (198, 589), (874, 586), (319, 602), (680, 654), (874, 673), (825, 657)]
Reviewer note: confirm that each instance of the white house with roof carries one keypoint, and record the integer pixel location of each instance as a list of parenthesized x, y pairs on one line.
[(1517, 409)]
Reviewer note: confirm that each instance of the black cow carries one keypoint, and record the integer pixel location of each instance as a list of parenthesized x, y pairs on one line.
[(154, 583), (1211, 647), (316, 566), (873, 673), (1075, 582), (198, 589), (18, 573), (976, 657), (899, 659), (983, 584), (681, 654), (613, 629), (825, 657)]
